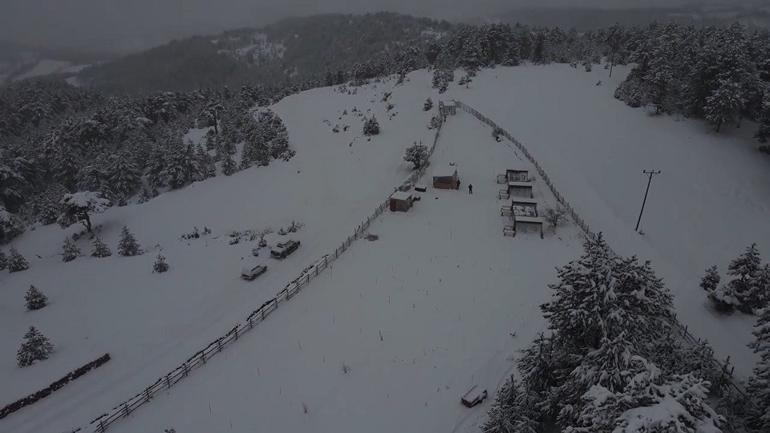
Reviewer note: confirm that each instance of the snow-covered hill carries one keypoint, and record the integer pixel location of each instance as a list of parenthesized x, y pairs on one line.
[(418, 315)]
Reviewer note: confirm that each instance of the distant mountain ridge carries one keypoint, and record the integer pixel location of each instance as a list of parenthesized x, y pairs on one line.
[(295, 49)]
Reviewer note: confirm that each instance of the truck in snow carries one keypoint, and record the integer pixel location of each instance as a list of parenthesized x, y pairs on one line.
[(474, 396), (284, 249), (249, 273)]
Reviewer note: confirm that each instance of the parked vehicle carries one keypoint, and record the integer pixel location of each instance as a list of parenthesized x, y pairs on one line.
[(284, 249), (474, 396), (249, 273)]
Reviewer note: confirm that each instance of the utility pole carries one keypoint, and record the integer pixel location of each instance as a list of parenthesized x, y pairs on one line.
[(650, 173)]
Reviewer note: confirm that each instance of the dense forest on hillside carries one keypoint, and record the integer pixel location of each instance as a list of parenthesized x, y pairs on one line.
[(57, 138)]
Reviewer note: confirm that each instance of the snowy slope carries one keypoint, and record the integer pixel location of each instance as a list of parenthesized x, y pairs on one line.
[(48, 67), (710, 202), (442, 287), (152, 322)]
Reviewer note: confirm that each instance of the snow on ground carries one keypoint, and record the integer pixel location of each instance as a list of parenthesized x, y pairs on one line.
[(150, 323), (418, 316), (710, 202), (47, 67)]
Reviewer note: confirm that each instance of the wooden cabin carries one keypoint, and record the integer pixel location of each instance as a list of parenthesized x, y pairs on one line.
[(401, 201), (520, 207), (516, 175), (524, 223), (446, 178), (520, 189)]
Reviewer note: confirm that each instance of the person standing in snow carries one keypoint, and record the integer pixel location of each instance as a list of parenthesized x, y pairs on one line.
[(470, 188)]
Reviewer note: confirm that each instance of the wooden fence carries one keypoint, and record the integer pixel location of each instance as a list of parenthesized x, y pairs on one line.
[(581, 223), (200, 358)]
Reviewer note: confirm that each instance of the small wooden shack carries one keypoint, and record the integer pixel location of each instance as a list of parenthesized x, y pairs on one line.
[(524, 223), (517, 175), (446, 178), (401, 201), (520, 189), (520, 207)]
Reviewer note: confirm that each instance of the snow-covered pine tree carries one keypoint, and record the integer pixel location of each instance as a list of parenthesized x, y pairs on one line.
[(79, 207), (182, 167), (229, 167), (100, 249), (160, 264), (745, 271), (427, 105), (763, 133), (724, 104), (205, 162), (70, 250), (417, 155), (128, 246), (10, 225), (16, 262), (123, 176), (759, 383), (512, 411), (710, 280), (3, 260), (371, 126), (35, 299), (35, 347)]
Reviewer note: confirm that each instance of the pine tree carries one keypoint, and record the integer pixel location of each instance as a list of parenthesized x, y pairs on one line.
[(35, 299), (710, 281), (3, 261), (745, 270), (16, 262), (160, 264), (759, 383), (35, 347), (182, 167), (511, 412), (763, 134), (371, 126), (128, 246), (725, 104), (70, 250), (124, 177), (229, 167), (417, 155), (100, 249)]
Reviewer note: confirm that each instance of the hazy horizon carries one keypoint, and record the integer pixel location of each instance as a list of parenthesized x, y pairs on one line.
[(111, 26)]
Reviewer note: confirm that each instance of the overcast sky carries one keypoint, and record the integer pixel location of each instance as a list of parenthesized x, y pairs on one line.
[(122, 25)]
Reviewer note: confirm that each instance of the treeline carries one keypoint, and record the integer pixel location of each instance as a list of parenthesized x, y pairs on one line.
[(718, 74), (64, 141)]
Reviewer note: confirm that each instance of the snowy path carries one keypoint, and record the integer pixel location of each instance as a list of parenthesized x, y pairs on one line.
[(442, 287)]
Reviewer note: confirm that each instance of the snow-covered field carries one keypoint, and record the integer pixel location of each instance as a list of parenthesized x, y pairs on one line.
[(48, 67), (152, 322), (708, 205), (418, 315)]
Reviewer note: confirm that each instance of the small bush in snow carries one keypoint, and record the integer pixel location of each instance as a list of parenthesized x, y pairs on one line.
[(345, 368), (371, 126), (417, 155), (35, 299), (555, 216), (160, 264), (427, 105), (710, 280), (70, 250), (17, 262), (35, 347), (100, 248), (128, 246)]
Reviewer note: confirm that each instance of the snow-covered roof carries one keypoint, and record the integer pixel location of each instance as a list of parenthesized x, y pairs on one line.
[(445, 172), (520, 184), (528, 220), (521, 200), (401, 195)]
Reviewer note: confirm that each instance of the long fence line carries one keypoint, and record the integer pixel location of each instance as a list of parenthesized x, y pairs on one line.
[(580, 222), (200, 358)]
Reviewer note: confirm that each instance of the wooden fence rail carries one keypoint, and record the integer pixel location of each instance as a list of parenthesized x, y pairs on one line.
[(581, 223), (200, 358)]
